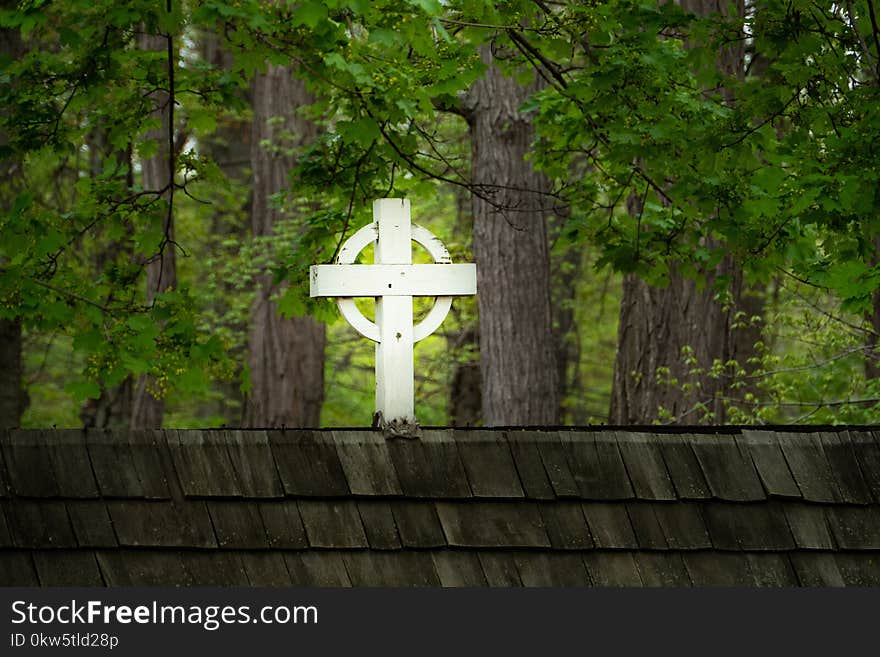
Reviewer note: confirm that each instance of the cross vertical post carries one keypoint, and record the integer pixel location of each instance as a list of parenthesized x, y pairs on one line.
[(395, 389)]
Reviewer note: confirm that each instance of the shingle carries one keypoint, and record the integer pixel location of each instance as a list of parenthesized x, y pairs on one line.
[(866, 447), (645, 465), (366, 462), (597, 466), (17, 569), (162, 524), (379, 525), (203, 464), (609, 525), (665, 569), (859, 569), (855, 527), (308, 463), (532, 474), (429, 466), (500, 569), (5, 532), (91, 523), (215, 567), (113, 568), (808, 526), (731, 475), (718, 568), (492, 524), (157, 466), (488, 463), (67, 568), (129, 464), (237, 524), (283, 524), (143, 568), (418, 524), (332, 524), (70, 463), (499, 542), (683, 525), (265, 568), (816, 569), (153, 463), (612, 569), (253, 463), (554, 456), (683, 467), (395, 568), (769, 461), (810, 468), (112, 464), (845, 467), (771, 570), (722, 524), (566, 526), (325, 568), (458, 568), (39, 524), (29, 464), (648, 531), (551, 569), (747, 526), (764, 528)]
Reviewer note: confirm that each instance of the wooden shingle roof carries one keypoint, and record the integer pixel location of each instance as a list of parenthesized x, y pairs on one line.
[(452, 508)]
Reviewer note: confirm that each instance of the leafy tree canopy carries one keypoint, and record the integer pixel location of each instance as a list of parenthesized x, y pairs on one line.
[(774, 163)]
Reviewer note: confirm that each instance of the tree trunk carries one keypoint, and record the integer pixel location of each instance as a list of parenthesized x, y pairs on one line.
[(148, 409), (566, 270), (872, 343), (113, 408), (465, 394), (872, 346), (285, 356), (13, 398), (656, 324), (517, 356), (465, 388), (229, 146)]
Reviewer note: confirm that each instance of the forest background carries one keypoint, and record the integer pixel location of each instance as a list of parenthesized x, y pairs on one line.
[(673, 208)]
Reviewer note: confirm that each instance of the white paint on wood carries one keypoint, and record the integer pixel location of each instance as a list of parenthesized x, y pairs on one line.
[(393, 280)]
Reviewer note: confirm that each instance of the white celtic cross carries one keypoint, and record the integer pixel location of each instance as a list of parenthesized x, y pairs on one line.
[(393, 281)]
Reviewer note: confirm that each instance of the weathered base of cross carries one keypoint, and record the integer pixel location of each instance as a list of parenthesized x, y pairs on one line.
[(398, 427)]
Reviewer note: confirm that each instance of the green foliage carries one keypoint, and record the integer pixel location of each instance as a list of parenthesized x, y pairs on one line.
[(79, 230), (815, 370), (770, 163), (665, 155)]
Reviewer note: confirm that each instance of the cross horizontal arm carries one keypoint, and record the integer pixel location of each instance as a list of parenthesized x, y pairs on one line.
[(392, 280)]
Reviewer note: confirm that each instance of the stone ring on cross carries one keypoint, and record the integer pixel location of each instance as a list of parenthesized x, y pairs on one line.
[(393, 281)]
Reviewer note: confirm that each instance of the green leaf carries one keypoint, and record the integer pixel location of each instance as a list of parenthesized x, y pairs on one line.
[(83, 389), (291, 304), (203, 122), (309, 14), (431, 7)]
